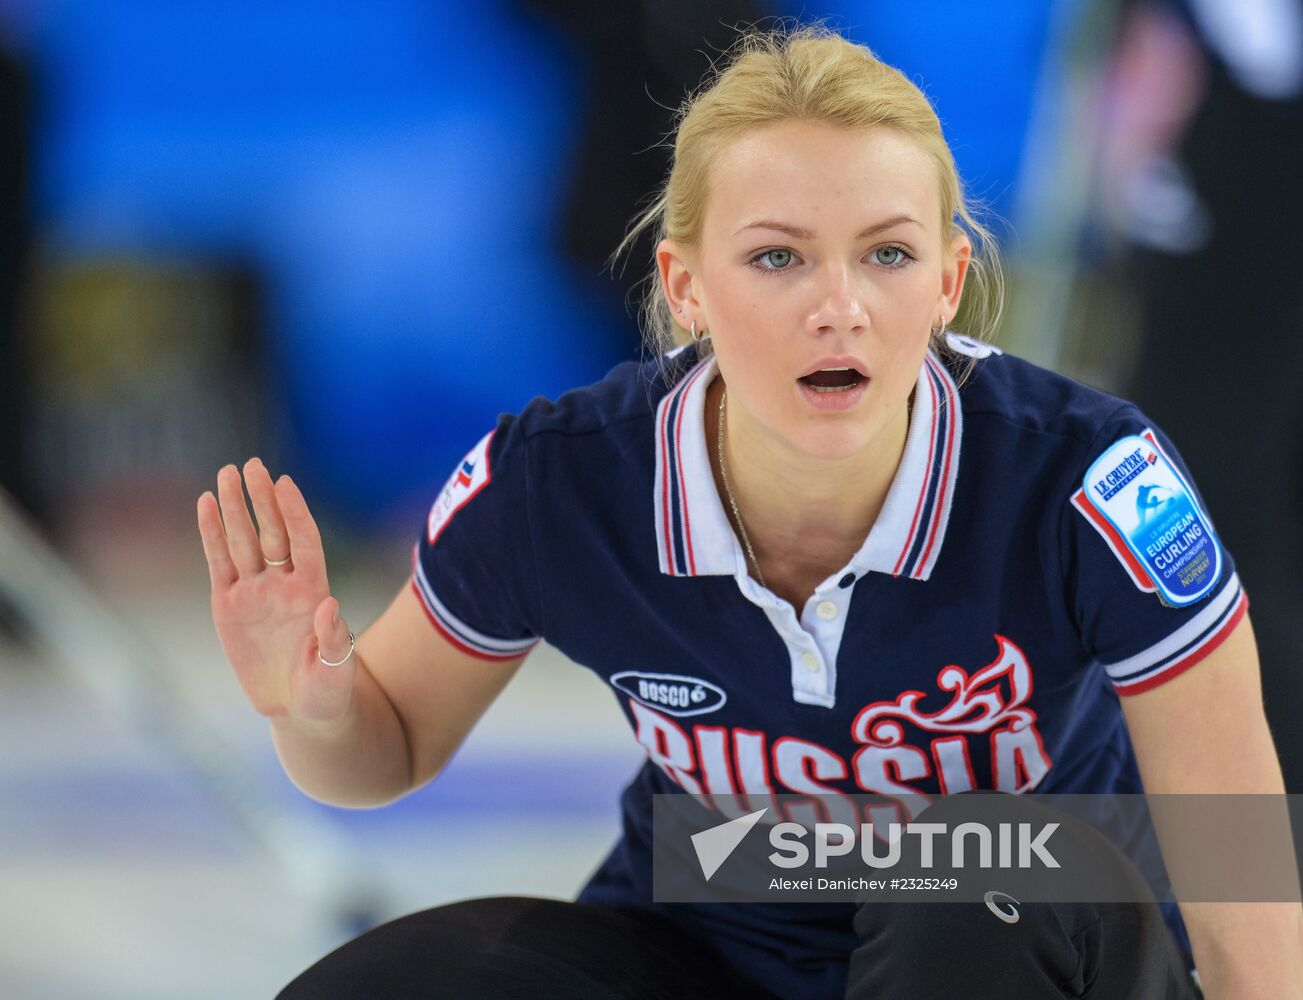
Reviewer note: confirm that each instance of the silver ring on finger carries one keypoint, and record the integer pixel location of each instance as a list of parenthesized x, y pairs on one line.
[(275, 562), (352, 642)]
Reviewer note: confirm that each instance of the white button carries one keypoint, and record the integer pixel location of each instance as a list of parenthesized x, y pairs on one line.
[(811, 662), (826, 610)]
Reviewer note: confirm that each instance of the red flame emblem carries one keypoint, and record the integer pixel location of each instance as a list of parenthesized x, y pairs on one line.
[(996, 695)]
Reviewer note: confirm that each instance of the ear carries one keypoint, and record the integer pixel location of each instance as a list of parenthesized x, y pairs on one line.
[(677, 285), (953, 274)]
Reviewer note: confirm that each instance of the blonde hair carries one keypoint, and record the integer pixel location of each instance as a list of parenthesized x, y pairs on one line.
[(807, 74)]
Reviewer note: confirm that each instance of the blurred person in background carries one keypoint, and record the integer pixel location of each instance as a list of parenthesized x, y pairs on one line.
[(816, 437), (1202, 158), (642, 57), (15, 237)]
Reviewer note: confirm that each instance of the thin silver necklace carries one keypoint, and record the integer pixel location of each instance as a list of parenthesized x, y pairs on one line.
[(728, 490), (732, 501)]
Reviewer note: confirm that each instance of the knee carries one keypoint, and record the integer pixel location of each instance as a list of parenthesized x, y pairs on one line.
[(930, 928), (433, 953)]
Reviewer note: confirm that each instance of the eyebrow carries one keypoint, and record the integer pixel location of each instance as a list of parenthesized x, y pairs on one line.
[(799, 233)]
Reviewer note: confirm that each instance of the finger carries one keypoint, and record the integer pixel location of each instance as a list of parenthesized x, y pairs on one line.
[(305, 539), (221, 571), (240, 536), (323, 692), (332, 632), (272, 537)]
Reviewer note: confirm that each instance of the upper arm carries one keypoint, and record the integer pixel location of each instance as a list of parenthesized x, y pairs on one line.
[(1150, 588), (1205, 730), (1200, 734), (437, 691), (1157, 601), (457, 632)]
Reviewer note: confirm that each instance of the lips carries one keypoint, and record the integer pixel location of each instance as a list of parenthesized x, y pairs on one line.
[(833, 375)]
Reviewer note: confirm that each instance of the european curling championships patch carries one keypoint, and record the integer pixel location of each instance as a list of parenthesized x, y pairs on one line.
[(1134, 497)]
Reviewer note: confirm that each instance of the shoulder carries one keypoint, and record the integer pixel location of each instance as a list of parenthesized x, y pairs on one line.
[(591, 440), (1004, 397), (556, 459), (622, 402)]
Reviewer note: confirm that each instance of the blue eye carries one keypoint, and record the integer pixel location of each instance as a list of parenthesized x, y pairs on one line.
[(891, 256), (774, 260)]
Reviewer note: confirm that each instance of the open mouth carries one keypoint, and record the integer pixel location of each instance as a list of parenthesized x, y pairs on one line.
[(832, 379)]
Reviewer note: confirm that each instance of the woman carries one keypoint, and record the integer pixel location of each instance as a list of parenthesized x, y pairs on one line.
[(795, 549)]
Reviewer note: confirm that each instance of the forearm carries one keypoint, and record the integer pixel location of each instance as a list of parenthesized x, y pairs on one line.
[(359, 761), (1247, 950), (1205, 733)]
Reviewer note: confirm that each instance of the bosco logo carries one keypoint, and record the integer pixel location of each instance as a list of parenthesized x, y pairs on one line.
[(673, 694)]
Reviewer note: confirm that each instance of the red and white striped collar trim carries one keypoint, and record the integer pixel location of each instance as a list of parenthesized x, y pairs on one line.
[(694, 536)]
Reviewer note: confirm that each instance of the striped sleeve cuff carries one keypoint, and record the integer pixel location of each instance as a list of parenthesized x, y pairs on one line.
[(457, 632), (1185, 647)]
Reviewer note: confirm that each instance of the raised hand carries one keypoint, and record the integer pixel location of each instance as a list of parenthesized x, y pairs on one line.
[(274, 617)]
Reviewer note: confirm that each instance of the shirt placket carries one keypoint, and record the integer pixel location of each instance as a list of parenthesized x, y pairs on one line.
[(813, 640)]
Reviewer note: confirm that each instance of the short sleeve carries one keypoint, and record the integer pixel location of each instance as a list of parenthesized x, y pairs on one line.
[(1150, 585), (473, 566)]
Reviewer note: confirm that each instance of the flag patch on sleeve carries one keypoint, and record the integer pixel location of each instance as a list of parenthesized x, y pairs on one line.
[(1149, 516), (470, 476)]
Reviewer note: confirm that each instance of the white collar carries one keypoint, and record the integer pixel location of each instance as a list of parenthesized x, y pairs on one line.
[(694, 536)]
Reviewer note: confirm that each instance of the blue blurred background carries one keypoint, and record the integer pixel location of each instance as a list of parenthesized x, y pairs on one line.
[(344, 236), (375, 196)]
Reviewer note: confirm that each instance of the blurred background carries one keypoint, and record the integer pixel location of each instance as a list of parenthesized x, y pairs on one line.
[(343, 236)]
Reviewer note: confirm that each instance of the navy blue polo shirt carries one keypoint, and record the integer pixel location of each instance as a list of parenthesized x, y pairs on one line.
[(1041, 551)]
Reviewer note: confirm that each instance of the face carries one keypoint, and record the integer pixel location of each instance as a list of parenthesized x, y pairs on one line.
[(821, 270)]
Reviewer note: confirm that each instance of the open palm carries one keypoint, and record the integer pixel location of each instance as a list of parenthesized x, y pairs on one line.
[(273, 620)]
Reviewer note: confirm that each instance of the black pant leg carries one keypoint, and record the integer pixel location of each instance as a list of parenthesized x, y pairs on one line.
[(526, 948), (1038, 951)]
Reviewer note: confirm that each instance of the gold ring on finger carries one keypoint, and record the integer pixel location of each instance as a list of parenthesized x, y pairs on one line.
[(276, 562)]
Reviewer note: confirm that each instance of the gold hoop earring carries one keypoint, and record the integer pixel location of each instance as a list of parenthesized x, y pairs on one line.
[(940, 328), (697, 338)]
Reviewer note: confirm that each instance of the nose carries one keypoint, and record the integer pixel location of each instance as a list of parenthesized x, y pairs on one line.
[(838, 306)]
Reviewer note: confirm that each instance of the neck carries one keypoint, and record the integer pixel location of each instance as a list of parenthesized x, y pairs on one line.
[(798, 507)]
